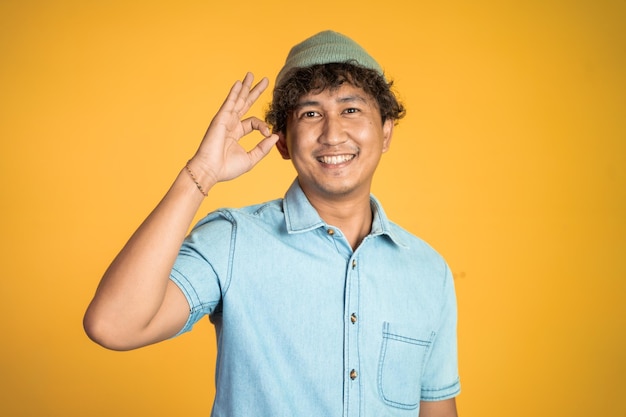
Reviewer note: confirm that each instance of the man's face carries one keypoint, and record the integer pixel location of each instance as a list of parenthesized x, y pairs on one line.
[(335, 140)]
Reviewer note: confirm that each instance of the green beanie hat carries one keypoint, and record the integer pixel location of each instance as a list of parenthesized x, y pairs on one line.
[(324, 48)]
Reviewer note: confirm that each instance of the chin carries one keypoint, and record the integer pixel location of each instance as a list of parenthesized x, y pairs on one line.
[(337, 190)]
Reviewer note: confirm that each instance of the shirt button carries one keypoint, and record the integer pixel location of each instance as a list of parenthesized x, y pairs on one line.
[(353, 374), (331, 232), (353, 318), (353, 263)]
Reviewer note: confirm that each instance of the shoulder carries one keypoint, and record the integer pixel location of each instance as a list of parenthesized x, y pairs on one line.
[(418, 256), (404, 241), (227, 218), (215, 235), (412, 243)]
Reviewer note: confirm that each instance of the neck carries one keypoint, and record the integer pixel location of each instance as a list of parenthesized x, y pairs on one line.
[(353, 216)]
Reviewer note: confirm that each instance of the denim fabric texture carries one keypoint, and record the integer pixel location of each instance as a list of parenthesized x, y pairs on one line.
[(308, 327)]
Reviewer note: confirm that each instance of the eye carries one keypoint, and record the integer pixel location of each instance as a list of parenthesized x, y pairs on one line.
[(307, 114), (351, 110)]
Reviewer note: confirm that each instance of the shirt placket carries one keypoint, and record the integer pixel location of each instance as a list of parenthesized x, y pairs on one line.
[(352, 390), (351, 359)]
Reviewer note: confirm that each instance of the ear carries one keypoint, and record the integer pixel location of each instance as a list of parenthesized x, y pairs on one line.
[(387, 134), (281, 145)]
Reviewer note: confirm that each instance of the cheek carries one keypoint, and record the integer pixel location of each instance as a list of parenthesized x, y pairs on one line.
[(296, 150), (301, 139), (371, 134)]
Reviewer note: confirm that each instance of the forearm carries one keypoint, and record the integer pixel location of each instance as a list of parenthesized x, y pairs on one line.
[(444, 408), (134, 287), (136, 303)]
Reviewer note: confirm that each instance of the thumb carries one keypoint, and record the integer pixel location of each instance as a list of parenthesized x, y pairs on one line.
[(262, 148)]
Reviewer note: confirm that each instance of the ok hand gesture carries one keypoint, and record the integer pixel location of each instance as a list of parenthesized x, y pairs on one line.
[(220, 157)]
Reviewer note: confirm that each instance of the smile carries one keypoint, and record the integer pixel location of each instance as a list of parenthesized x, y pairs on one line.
[(335, 159)]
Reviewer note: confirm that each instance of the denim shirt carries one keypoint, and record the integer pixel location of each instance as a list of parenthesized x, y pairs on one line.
[(308, 327)]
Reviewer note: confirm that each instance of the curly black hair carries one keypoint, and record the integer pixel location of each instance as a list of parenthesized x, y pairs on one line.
[(317, 78)]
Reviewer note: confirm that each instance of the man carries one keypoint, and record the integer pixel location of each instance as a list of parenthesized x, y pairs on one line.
[(322, 306)]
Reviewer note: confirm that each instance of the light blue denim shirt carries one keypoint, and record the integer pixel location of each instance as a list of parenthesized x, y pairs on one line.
[(308, 327)]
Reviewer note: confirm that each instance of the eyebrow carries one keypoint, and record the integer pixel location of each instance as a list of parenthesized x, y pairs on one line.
[(344, 99)]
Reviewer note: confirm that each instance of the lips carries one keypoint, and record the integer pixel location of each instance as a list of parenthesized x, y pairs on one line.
[(335, 159)]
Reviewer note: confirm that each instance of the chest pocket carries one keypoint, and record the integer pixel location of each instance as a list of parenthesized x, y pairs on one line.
[(402, 357)]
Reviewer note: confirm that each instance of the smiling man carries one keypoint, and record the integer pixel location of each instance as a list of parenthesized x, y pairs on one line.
[(322, 305)]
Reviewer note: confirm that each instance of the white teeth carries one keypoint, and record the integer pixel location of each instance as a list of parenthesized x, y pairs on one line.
[(335, 159)]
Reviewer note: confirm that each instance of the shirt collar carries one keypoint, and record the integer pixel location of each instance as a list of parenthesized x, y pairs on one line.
[(301, 216)]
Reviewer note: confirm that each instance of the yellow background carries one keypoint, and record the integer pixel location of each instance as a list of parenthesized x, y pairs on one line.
[(511, 162)]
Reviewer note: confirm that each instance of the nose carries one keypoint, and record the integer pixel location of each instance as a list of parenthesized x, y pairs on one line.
[(333, 132)]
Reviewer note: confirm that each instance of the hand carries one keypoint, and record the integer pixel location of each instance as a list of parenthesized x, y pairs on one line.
[(220, 157)]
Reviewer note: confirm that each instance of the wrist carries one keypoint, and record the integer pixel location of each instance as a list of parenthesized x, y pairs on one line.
[(202, 180)]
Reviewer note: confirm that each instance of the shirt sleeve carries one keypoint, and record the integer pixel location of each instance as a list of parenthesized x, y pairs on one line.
[(441, 377), (202, 268)]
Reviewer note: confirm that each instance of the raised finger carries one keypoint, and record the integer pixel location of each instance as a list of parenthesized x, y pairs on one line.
[(248, 96), (242, 101), (232, 98), (258, 89)]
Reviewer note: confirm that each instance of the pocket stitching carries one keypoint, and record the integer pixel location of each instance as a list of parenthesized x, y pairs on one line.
[(387, 335)]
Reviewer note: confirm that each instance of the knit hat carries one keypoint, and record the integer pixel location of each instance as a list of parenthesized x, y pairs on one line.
[(324, 48)]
